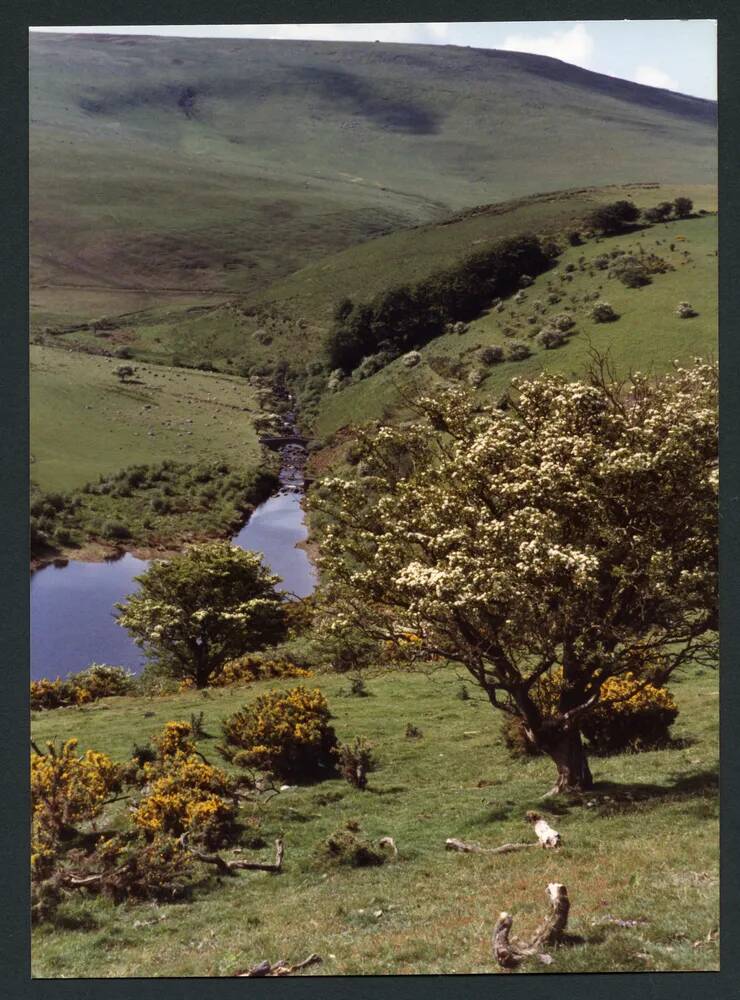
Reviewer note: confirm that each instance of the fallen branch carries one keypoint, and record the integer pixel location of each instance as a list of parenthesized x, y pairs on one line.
[(280, 968), (552, 929), (546, 837), (452, 844), (75, 881), (511, 953), (230, 867)]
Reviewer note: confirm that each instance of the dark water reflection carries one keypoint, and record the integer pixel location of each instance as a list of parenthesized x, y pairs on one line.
[(72, 622)]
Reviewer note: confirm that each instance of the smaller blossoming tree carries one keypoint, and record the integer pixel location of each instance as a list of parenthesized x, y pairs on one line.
[(574, 530), (194, 613)]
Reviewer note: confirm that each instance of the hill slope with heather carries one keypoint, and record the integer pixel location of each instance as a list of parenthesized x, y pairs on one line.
[(169, 169)]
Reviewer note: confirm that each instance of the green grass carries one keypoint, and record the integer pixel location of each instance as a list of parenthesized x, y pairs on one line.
[(296, 312), (643, 846), (85, 423), (293, 150), (648, 336)]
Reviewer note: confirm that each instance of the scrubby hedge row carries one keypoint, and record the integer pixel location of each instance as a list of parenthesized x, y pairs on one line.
[(135, 503), (96, 682), (408, 315)]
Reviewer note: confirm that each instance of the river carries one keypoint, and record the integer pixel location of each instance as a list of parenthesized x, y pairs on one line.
[(72, 619)]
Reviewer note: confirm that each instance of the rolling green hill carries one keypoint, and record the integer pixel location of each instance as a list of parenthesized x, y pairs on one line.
[(105, 425), (288, 320), (648, 335), (169, 168)]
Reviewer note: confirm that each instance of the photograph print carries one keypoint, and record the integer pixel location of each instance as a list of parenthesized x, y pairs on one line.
[(374, 499)]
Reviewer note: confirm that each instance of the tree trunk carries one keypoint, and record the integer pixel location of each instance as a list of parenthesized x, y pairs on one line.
[(574, 774)]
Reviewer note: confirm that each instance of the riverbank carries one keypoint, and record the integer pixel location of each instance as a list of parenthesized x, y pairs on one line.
[(149, 511), (72, 599)]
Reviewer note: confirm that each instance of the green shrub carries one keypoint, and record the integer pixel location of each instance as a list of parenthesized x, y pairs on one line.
[(97, 681), (518, 351), (115, 531), (101, 681), (659, 213), (63, 536), (550, 338), (614, 217), (347, 846), (286, 733), (603, 312), (491, 355), (356, 761), (634, 276)]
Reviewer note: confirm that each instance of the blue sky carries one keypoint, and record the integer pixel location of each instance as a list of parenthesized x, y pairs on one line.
[(676, 55)]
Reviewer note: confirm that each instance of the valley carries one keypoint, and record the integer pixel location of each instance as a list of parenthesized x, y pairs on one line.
[(284, 296)]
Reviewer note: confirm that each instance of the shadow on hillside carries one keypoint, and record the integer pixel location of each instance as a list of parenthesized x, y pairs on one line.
[(389, 790), (681, 786), (607, 798), (75, 921)]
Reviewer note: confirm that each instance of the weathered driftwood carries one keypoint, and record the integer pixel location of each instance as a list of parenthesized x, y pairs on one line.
[(453, 844), (544, 832), (506, 954), (546, 837), (509, 953), (281, 968), (552, 928), (390, 844), (230, 867), (75, 881)]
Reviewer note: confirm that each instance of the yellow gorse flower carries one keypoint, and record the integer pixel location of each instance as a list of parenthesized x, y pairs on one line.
[(185, 795)]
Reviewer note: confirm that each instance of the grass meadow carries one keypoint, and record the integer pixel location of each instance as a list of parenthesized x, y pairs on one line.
[(641, 848), (86, 423)]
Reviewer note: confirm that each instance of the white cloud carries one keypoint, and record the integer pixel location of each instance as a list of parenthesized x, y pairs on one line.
[(382, 32), (573, 45), (439, 30), (651, 76)]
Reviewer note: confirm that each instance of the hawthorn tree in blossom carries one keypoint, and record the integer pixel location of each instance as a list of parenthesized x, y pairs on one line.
[(194, 613), (576, 527)]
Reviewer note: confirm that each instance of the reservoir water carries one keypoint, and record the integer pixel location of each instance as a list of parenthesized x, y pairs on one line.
[(72, 614)]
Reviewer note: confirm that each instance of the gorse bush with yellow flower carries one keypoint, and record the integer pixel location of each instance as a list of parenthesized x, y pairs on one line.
[(631, 713), (246, 669), (180, 794), (68, 788), (183, 794), (286, 733), (96, 682), (175, 738), (186, 795)]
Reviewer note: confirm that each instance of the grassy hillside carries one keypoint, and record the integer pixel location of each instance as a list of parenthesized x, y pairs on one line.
[(287, 321), (642, 847), (647, 336), (198, 167), (85, 423)]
